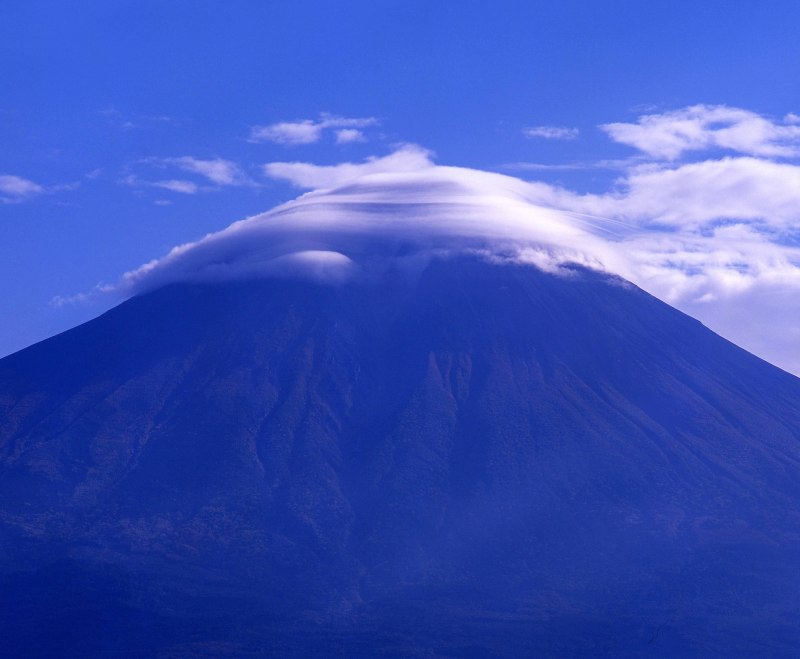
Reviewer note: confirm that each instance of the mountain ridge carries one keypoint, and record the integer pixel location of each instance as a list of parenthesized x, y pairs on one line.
[(486, 440)]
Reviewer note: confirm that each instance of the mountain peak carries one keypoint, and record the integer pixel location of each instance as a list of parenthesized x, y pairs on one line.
[(556, 457)]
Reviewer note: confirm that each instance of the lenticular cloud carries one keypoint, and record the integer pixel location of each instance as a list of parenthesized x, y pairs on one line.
[(398, 210), (380, 216)]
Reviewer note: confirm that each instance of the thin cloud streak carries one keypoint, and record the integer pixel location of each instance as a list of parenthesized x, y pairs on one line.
[(551, 132), (177, 185), (181, 186), (216, 170)]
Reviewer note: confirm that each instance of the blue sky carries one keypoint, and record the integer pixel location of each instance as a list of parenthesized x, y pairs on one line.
[(131, 127)]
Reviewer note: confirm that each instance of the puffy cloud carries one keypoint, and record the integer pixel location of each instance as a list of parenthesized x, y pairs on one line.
[(307, 131), (735, 279), (742, 189), (551, 132), (702, 127), (15, 188)]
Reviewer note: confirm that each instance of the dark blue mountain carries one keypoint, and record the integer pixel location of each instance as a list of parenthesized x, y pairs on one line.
[(483, 460)]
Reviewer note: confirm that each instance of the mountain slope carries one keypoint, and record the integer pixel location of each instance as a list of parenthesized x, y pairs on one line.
[(484, 459)]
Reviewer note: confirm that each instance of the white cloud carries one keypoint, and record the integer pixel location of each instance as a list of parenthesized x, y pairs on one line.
[(288, 132), (348, 135), (551, 132), (408, 158), (372, 208), (696, 194), (15, 188), (735, 279), (307, 131), (176, 185), (702, 127), (217, 170)]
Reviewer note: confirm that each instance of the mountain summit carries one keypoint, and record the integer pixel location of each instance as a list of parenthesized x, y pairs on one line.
[(473, 458)]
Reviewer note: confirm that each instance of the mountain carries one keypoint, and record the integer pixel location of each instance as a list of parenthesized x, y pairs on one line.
[(484, 459)]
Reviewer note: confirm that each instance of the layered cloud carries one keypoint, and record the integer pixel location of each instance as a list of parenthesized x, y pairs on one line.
[(385, 209), (308, 131)]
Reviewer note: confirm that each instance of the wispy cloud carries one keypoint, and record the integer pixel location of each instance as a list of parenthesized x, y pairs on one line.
[(130, 122), (348, 135), (669, 135), (177, 185), (288, 132), (551, 132), (214, 174), (308, 131), (610, 164), (14, 189), (181, 186), (216, 170)]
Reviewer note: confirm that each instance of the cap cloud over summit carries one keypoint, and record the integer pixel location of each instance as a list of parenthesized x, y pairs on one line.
[(372, 212)]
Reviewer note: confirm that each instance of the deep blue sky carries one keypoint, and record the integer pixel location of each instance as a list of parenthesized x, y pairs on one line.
[(94, 93)]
